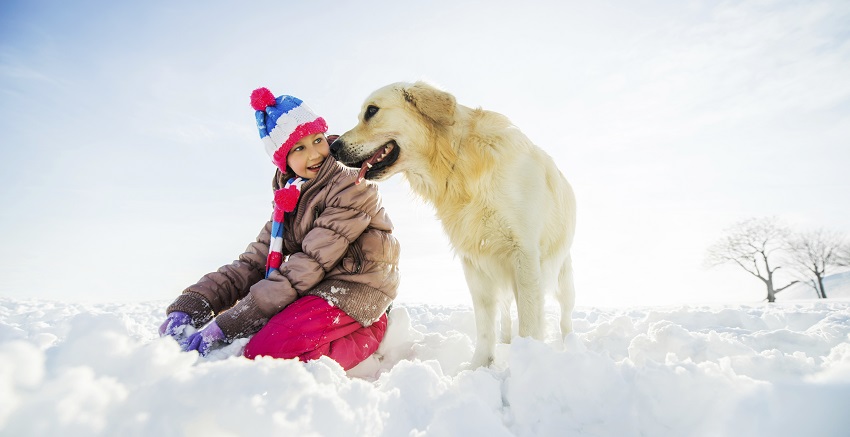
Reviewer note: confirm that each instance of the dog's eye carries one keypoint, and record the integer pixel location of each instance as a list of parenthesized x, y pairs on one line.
[(370, 112)]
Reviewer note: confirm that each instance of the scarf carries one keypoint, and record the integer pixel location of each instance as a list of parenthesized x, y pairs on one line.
[(285, 200)]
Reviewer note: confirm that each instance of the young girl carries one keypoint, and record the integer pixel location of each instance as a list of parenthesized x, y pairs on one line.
[(320, 276)]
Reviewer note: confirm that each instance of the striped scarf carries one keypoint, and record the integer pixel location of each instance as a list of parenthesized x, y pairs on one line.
[(285, 200)]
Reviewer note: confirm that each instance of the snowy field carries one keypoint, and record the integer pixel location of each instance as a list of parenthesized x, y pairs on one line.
[(740, 370)]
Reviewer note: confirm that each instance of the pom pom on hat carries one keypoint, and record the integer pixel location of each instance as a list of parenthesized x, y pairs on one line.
[(262, 98)]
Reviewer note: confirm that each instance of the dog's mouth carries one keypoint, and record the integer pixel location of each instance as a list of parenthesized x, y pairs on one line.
[(384, 157)]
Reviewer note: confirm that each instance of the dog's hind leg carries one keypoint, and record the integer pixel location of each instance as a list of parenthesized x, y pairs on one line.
[(529, 294), (484, 303), (566, 294), (505, 324)]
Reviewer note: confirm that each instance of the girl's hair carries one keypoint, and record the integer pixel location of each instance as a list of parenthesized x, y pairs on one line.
[(289, 174)]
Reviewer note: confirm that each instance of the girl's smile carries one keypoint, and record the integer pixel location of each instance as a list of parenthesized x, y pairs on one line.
[(307, 155)]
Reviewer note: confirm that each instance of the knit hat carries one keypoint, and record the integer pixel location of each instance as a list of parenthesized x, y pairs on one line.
[(282, 122)]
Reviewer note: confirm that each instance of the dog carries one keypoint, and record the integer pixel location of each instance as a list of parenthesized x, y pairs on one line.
[(508, 211)]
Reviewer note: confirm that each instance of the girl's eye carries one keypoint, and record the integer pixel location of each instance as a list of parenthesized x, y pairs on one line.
[(298, 148), (317, 140)]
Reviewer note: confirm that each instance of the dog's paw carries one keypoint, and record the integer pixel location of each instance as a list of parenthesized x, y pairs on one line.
[(478, 362)]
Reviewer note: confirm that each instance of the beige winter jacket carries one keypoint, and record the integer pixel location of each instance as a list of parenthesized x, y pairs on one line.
[(340, 247)]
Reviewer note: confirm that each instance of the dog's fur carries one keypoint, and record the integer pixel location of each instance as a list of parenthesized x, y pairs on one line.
[(507, 209)]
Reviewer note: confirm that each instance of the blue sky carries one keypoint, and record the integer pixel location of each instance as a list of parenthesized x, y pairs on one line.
[(130, 165)]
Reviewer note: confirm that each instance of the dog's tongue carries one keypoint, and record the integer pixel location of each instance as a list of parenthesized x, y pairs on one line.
[(367, 164)]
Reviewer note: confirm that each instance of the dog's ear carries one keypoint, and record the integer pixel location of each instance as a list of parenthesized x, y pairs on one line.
[(435, 104)]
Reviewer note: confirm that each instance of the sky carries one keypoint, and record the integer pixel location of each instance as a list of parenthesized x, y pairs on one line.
[(130, 164)]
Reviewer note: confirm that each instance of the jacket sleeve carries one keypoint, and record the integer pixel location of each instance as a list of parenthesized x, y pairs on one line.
[(348, 212), (219, 290), (346, 216)]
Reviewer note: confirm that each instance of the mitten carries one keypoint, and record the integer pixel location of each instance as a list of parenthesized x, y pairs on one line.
[(175, 324), (203, 340)]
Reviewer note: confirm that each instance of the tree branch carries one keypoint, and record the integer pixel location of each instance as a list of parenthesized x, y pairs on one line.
[(780, 289), (737, 261)]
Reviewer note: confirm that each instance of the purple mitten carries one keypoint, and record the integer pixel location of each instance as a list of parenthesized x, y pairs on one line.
[(202, 340), (175, 324)]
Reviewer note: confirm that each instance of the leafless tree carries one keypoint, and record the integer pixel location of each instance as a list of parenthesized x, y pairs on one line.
[(818, 253), (756, 246)]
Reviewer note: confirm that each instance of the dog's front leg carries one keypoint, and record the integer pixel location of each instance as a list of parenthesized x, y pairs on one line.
[(484, 302)]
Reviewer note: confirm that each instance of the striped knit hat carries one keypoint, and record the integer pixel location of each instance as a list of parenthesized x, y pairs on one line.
[(283, 121)]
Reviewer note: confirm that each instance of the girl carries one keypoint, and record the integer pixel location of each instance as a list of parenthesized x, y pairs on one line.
[(320, 276)]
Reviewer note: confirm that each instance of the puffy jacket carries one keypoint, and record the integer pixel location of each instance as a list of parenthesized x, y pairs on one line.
[(339, 245)]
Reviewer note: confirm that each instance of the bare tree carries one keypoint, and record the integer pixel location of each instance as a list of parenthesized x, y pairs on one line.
[(755, 245), (817, 253)]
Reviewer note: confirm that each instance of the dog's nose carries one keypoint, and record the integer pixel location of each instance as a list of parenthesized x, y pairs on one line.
[(336, 146)]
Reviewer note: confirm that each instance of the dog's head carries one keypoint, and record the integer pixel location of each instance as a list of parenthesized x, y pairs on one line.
[(396, 123)]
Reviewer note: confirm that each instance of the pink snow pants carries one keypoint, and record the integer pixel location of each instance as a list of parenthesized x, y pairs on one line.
[(310, 327)]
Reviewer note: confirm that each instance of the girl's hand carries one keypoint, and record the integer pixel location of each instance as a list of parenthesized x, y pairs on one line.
[(203, 340), (175, 324)]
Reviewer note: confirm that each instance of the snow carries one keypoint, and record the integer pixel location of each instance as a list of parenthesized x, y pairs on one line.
[(772, 370), (836, 285)]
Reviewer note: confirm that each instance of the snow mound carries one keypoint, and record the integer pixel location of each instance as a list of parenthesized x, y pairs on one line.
[(100, 369), (837, 286)]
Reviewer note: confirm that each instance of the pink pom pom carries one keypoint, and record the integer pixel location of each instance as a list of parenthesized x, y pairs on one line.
[(261, 98), (287, 198)]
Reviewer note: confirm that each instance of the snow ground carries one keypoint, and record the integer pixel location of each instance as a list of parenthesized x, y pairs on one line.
[(837, 287), (736, 370)]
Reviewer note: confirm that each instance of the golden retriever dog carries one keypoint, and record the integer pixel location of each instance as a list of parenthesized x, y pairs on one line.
[(508, 211)]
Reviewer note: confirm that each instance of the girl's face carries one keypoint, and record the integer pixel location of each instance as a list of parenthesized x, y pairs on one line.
[(307, 155)]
